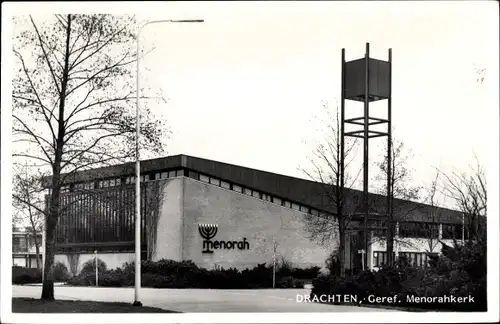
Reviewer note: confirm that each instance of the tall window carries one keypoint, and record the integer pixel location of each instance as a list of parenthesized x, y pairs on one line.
[(379, 258)]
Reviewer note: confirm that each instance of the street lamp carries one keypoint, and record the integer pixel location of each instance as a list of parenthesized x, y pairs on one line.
[(138, 164)]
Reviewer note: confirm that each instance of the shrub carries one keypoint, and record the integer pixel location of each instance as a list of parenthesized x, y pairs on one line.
[(460, 271), (21, 275), (185, 274), (114, 278), (89, 267), (306, 273), (61, 272), (284, 269), (83, 279), (289, 282)]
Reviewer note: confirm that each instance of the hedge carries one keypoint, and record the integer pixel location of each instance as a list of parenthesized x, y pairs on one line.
[(186, 274), (21, 275)]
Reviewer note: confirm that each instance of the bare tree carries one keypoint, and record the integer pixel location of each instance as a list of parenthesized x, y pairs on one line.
[(72, 107), (468, 191), (435, 216), (400, 189), (326, 170), (28, 202)]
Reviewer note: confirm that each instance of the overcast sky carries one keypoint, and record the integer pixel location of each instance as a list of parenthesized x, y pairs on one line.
[(247, 86)]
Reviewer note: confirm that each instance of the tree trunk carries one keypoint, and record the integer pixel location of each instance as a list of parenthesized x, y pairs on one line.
[(48, 278), (390, 242), (37, 251), (341, 271)]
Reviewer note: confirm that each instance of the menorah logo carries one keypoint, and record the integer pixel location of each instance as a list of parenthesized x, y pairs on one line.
[(208, 232)]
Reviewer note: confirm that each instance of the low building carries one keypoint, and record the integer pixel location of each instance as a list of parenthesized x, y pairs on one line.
[(24, 252), (219, 214)]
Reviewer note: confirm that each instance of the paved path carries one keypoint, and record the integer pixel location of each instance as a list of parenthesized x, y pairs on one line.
[(197, 300)]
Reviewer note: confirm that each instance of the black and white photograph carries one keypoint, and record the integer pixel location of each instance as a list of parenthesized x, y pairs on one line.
[(250, 161)]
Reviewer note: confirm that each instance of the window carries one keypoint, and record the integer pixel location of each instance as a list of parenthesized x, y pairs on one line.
[(237, 188), (163, 175), (256, 194), (295, 206), (224, 184), (266, 197), (204, 178), (194, 175), (247, 191), (416, 259), (379, 258), (452, 231), (172, 174), (287, 204), (89, 185), (277, 201), (304, 209), (418, 229), (179, 173), (215, 181), (314, 212)]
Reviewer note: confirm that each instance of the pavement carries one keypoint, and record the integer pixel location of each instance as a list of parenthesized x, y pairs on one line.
[(198, 300)]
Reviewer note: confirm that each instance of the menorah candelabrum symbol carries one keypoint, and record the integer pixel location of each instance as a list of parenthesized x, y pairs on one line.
[(208, 232)]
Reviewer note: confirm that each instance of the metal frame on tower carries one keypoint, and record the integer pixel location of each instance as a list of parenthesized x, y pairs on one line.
[(366, 80)]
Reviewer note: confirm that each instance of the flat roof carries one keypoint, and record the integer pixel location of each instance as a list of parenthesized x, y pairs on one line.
[(308, 192)]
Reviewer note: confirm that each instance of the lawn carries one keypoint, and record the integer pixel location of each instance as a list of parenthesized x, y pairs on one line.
[(30, 305)]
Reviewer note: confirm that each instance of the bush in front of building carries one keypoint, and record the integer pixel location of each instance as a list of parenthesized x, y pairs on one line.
[(22, 275), (89, 266), (305, 273), (459, 271), (289, 282), (61, 273), (185, 274)]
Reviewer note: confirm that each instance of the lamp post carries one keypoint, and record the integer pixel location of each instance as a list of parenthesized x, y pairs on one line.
[(137, 161)]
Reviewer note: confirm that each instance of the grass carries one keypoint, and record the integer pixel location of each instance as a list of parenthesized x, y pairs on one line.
[(30, 305)]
